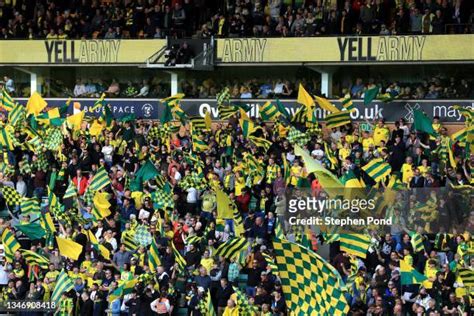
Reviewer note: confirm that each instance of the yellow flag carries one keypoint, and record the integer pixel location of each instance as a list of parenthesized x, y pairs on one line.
[(35, 104), (329, 182), (76, 120), (223, 205), (96, 128), (208, 120), (326, 105), (102, 204), (69, 248), (304, 97), (102, 249)]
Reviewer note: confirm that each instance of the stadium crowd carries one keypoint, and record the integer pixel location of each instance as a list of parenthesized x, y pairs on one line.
[(159, 183), (23, 19)]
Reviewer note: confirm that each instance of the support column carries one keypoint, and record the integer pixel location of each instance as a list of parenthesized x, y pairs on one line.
[(174, 82), (34, 83), (326, 78), (326, 84)]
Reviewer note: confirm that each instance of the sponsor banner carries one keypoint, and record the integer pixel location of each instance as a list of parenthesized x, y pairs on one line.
[(57, 52), (392, 111), (347, 49)]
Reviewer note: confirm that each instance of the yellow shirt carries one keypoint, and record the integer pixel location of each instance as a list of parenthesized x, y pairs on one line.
[(239, 185), (407, 173), (207, 263), (52, 275), (367, 142), (295, 170), (431, 274), (344, 153), (381, 134), (424, 170)]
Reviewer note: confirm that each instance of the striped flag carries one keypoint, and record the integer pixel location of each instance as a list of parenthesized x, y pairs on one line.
[(270, 261), (198, 124), (225, 112), (337, 119), (178, 258), (101, 179), (377, 169), (347, 103), (6, 139), (153, 256), (198, 144), (128, 239), (7, 101), (17, 115), (32, 258), (247, 126), (467, 276), (355, 244), (417, 242), (71, 191), (10, 244), (299, 116), (29, 205), (47, 223), (311, 286), (269, 111), (63, 284), (260, 142), (232, 247)]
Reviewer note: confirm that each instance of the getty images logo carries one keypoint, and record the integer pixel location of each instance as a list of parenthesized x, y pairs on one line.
[(147, 109)]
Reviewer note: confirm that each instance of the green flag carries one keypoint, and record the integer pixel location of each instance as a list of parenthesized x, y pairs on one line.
[(33, 230), (167, 115), (370, 94), (147, 171), (422, 123)]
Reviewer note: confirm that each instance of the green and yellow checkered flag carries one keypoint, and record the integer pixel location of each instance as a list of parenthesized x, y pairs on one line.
[(53, 139), (101, 179), (10, 244), (311, 286), (32, 258), (162, 199), (242, 302), (205, 305), (12, 197)]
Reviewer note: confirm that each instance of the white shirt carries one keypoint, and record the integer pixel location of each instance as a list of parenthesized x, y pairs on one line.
[(177, 176), (108, 152), (79, 89), (192, 195), (21, 188)]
